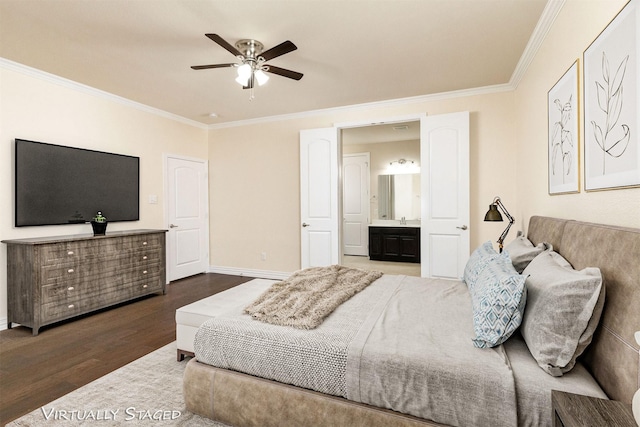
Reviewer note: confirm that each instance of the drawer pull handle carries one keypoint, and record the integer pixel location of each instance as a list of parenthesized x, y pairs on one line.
[(70, 288), (70, 270), (144, 257), (144, 286), (70, 306), (144, 243), (144, 272), (70, 253)]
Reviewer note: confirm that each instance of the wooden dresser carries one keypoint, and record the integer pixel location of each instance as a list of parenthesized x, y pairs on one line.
[(55, 278)]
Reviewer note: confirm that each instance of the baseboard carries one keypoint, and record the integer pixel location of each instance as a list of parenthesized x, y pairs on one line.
[(262, 274), (3, 323)]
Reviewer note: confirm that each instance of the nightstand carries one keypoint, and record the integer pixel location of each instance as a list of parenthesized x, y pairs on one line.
[(572, 410)]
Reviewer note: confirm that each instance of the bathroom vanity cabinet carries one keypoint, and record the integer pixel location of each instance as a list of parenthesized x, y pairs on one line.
[(394, 243)]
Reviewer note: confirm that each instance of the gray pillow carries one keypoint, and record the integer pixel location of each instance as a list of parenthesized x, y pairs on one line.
[(521, 251), (563, 310)]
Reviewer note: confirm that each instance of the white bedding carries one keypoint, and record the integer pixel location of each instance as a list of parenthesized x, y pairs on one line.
[(403, 343)]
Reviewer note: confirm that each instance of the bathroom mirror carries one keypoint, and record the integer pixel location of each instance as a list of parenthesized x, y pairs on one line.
[(399, 196)]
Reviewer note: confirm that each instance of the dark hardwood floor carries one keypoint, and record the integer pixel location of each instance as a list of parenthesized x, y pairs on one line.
[(65, 356)]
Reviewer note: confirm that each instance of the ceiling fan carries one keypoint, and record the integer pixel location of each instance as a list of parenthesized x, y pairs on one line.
[(252, 67)]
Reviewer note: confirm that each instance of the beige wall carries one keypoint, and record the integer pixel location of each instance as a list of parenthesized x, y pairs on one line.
[(37, 109), (255, 184), (577, 25)]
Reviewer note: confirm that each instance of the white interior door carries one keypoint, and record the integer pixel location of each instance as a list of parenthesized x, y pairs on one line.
[(355, 204), (187, 208), (444, 147), (319, 197)]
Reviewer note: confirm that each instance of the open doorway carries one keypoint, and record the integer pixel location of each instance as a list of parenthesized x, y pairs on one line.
[(381, 188)]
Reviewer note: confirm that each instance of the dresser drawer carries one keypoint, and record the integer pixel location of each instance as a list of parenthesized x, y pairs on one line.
[(133, 280), (70, 252), (63, 310), (62, 253), (72, 272), (133, 290), (63, 292), (139, 242)]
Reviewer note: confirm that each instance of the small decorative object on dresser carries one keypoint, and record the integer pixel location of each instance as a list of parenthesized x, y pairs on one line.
[(636, 397), (99, 224)]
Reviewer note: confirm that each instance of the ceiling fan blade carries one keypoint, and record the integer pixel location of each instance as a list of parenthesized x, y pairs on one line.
[(204, 67), (222, 42), (283, 72), (281, 49)]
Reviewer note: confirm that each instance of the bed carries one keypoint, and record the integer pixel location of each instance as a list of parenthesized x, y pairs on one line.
[(362, 365)]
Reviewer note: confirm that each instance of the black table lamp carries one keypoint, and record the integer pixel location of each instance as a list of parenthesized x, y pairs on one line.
[(493, 214)]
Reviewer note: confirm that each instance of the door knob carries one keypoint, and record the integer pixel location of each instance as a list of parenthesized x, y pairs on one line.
[(172, 226), (304, 224), (464, 227)]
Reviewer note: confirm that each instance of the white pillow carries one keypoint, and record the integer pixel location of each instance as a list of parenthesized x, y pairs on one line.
[(522, 251)]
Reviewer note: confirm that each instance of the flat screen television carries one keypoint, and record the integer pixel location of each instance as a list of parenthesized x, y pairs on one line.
[(57, 185)]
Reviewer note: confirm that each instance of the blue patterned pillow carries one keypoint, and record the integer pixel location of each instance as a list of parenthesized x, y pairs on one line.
[(498, 299), (477, 261)]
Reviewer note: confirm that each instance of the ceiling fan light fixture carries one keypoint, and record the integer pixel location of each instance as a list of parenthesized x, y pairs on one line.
[(244, 70), (261, 77), (242, 81)]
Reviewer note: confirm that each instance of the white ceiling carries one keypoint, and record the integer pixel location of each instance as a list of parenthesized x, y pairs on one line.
[(350, 51)]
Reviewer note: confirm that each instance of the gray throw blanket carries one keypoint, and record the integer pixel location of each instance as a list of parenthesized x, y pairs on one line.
[(306, 298)]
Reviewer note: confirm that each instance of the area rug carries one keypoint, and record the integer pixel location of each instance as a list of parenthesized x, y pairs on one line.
[(147, 391)]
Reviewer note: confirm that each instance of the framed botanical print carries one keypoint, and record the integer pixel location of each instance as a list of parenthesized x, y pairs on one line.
[(612, 104), (563, 135)]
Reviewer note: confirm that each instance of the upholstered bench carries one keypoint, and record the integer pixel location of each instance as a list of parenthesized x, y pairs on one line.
[(190, 317)]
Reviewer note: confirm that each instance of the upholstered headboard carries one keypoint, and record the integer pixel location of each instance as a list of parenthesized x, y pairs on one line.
[(612, 357)]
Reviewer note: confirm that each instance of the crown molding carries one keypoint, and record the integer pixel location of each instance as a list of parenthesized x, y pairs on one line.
[(70, 84), (548, 17)]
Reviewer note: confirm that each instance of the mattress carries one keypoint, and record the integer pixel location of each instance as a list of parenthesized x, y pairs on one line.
[(403, 343)]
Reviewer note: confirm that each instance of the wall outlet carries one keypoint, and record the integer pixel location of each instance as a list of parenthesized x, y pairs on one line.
[(263, 256), (153, 199)]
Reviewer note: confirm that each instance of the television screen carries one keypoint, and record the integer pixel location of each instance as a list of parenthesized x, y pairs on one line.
[(57, 185)]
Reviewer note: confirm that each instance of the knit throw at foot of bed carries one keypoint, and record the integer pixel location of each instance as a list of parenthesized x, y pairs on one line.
[(306, 298)]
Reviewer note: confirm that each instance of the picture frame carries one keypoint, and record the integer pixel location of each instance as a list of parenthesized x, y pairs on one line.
[(563, 133), (612, 104)]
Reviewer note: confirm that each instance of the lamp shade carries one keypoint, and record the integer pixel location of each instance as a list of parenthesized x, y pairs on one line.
[(493, 214), (242, 81), (244, 74), (262, 77)]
